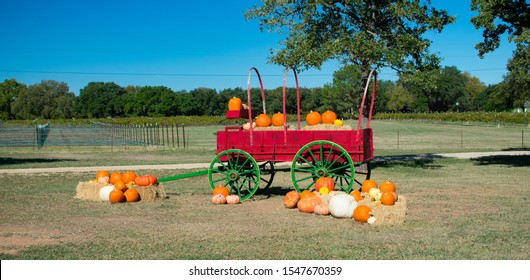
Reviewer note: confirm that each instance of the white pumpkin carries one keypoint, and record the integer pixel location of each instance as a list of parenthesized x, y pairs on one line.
[(105, 191), (232, 199), (342, 206), (375, 193), (246, 126)]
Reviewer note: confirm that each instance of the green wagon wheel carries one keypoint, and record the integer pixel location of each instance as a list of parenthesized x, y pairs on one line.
[(363, 172), (236, 170), (322, 159), (266, 170)]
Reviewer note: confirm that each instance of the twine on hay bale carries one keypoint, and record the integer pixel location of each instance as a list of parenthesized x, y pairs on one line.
[(384, 214), (90, 191), (327, 127)]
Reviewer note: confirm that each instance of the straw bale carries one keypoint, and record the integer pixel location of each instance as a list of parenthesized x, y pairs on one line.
[(268, 128), (327, 127), (384, 214), (90, 191)]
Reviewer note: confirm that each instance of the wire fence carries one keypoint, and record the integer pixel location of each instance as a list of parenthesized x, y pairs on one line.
[(97, 134)]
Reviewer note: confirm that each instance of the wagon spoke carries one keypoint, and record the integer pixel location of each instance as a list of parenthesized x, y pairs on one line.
[(337, 169)]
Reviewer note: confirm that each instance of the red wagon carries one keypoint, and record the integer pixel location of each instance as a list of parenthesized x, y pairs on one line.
[(248, 160)]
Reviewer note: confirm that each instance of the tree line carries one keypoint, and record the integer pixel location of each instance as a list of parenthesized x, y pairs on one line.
[(440, 90)]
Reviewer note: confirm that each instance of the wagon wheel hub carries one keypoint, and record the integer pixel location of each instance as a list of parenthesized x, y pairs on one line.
[(321, 172), (233, 175)]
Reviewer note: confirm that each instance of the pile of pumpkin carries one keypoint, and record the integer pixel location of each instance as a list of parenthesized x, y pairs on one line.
[(117, 187), (278, 120), (324, 200), (221, 195)]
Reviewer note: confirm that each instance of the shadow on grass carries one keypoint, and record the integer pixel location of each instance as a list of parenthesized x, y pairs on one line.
[(513, 161), (425, 161), (10, 160)]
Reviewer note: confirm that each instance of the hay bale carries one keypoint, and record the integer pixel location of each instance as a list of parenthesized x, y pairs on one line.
[(90, 191), (150, 193), (391, 215), (269, 128), (327, 127)]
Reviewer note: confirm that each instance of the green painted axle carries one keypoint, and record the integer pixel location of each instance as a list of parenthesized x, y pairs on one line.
[(184, 176)]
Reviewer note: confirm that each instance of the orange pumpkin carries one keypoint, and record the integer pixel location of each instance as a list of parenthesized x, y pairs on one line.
[(115, 177), (263, 120), (222, 190), (278, 119), (328, 117), (395, 196), (324, 182), (367, 185), (234, 104), (306, 194), (387, 186), (145, 180), (356, 195), (321, 209), (313, 118), (117, 196), (218, 199), (120, 185), (102, 173), (362, 213), (131, 195), (152, 179), (128, 177), (308, 204), (387, 198), (291, 199)]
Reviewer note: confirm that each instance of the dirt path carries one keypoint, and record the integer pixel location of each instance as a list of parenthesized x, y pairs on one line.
[(206, 165)]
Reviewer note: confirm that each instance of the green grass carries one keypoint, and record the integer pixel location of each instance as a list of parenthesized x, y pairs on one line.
[(457, 209), (390, 138)]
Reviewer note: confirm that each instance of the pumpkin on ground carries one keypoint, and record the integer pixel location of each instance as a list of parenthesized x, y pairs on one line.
[(324, 182), (117, 196), (218, 199), (222, 190), (321, 209), (342, 206), (387, 186), (232, 199), (131, 195), (263, 120), (104, 192), (234, 104), (278, 119), (128, 177), (306, 193), (291, 199), (313, 118), (367, 185), (308, 204), (328, 117), (115, 176), (362, 213)]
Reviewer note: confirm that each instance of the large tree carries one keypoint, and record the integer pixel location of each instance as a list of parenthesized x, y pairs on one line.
[(9, 91), (100, 100), (367, 33), (497, 17), (47, 99)]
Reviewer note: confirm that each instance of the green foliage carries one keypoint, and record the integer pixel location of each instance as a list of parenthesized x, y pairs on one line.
[(9, 91), (100, 100), (370, 34), (497, 17), (482, 117), (47, 99)]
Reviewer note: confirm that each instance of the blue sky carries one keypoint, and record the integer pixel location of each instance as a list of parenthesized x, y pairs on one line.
[(182, 44)]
